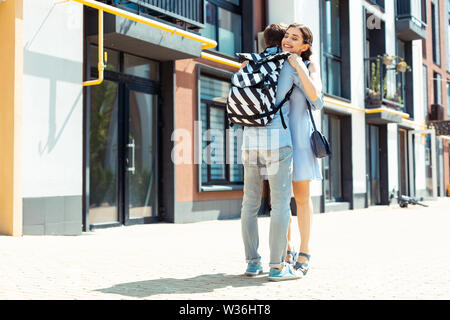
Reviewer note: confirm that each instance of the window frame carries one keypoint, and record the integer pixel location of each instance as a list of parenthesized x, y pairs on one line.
[(327, 181), (227, 181), (435, 32), (222, 75), (344, 50), (238, 10), (437, 88), (425, 91)]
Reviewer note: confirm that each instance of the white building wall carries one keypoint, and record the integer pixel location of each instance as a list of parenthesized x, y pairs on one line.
[(419, 116), (392, 134), (52, 101), (357, 43)]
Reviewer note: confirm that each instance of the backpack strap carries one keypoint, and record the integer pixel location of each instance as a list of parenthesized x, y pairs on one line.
[(286, 98)]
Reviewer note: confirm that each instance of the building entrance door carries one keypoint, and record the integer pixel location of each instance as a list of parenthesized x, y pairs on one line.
[(373, 165), (121, 171), (140, 156), (403, 163)]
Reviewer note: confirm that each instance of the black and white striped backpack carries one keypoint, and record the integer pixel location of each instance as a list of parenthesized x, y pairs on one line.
[(251, 100)]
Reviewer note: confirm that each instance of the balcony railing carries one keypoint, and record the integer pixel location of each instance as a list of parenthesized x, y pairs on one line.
[(186, 13), (385, 84)]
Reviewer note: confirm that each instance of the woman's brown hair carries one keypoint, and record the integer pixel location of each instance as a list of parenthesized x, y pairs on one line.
[(307, 38)]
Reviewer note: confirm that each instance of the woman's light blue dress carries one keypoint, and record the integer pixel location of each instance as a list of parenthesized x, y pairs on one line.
[(305, 164)]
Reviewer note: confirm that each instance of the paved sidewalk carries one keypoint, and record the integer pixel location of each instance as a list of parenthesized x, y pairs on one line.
[(376, 253)]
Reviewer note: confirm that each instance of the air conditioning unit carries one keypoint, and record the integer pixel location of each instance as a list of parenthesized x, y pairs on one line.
[(437, 112), (261, 44)]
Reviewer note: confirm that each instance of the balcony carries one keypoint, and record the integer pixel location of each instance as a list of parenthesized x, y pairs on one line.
[(189, 14), (123, 34), (385, 83), (411, 20)]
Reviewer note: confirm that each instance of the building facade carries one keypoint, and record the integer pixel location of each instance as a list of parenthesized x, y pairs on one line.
[(436, 87), (151, 142)]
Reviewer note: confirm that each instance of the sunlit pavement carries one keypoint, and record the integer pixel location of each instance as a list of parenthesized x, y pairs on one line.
[(375, 253)]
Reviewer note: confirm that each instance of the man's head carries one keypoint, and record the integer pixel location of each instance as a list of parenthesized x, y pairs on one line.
[(274, 33)]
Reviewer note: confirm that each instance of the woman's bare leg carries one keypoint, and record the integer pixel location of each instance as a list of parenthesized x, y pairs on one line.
[(289, 247), (304, 215)]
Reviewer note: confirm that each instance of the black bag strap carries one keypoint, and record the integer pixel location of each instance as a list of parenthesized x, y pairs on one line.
[(307, 62), (310, 115)]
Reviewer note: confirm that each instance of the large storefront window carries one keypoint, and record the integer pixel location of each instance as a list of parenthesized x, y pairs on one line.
[(224, 24), (221, 144)]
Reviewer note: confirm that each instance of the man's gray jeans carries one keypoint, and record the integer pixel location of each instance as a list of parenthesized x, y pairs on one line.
[(277, 164)]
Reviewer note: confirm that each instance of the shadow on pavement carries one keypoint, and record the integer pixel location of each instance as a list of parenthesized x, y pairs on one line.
[(200, 284)]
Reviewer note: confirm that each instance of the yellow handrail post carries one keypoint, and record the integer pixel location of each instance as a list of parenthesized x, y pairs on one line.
[(101, 63)]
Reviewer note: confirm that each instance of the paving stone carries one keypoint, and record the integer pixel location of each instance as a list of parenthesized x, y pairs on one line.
[(375, 253)]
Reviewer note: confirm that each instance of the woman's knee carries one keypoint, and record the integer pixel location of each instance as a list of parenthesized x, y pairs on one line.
[(302, 200), (301, 192)]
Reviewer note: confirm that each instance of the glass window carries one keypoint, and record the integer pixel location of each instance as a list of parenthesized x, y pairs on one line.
[(332, 57), (103, 160), (333, 77), (332, 165), (416, 9), (448, 45), (221, 145), (435, 32), (448, 101), (211, 22), (425, 92), (332, 27), (224, 24), (437, 88), (230, 32), (235, 2), (141, 67)]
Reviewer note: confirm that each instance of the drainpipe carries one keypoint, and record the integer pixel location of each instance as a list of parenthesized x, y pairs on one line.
[(101, 56)]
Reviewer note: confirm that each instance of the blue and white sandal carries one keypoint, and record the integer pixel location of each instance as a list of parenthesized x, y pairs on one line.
[(303, 267), (294, 256)]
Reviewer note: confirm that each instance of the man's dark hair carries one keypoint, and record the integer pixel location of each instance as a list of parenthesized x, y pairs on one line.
[(274, 33)]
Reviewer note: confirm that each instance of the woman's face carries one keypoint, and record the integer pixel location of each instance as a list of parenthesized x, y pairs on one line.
[(293, 41)]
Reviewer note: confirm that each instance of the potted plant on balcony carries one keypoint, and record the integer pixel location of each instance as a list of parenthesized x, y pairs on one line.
[(373, 94), (387, 59), (402, 66)]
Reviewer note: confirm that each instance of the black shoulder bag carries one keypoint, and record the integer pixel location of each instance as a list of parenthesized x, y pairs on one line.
[(319, 143)]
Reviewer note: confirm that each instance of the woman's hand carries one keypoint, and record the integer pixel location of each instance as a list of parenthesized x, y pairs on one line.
[(297, 63), (309, 78)]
